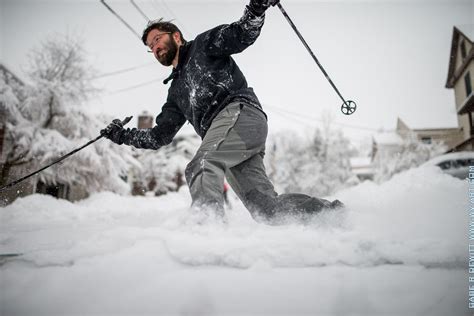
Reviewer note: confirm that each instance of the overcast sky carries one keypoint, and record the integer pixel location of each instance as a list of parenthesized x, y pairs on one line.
[(391, 57)]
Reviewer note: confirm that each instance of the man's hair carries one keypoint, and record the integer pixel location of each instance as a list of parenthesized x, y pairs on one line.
[(164, 26)]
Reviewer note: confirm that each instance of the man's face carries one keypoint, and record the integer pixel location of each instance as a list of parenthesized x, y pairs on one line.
[(163, 46)]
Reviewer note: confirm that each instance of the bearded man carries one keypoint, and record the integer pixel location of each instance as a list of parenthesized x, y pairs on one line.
[(209, 91)]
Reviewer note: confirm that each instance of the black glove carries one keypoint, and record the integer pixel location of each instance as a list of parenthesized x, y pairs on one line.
[(113, 131), (258, 7)]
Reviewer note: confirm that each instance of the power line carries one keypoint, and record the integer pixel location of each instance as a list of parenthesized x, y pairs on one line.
[(163, 9), (298, 120), (136, 86), (139, 10), (120, 18), (163, 4), (160, 9), (155, 6), (173, 14), (305, 117), (311, 125), (118, 72)]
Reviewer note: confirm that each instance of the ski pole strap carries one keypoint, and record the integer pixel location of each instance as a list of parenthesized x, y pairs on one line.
[(348, 107), (9, 185)]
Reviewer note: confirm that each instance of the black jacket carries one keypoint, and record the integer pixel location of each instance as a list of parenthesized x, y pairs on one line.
[(205, 81)]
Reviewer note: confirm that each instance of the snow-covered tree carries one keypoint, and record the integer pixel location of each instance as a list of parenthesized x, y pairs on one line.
[(46, 119), (283, 160), (318, 166), (162, 170), (412, 153)]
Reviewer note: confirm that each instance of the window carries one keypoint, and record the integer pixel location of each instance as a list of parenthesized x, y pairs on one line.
[(57, 190), (463, 49), (467, 83), (2, 136), (471, 127), (426, 140)]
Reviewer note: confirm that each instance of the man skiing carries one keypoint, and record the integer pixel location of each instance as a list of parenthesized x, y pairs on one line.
[(209, 90)]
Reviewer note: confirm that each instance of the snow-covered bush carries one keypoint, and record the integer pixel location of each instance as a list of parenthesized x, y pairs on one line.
[(412, 153), (318, 166), (162, 170)]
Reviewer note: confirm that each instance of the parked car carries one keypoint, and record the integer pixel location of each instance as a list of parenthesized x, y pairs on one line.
[(456, 164)]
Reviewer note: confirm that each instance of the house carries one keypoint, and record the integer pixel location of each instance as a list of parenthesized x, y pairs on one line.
[(145, 120), (448, 136), (385, 145), (460, 78), (362, 167)]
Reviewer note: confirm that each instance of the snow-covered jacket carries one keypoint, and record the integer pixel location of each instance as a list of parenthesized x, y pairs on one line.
[(205, 80)]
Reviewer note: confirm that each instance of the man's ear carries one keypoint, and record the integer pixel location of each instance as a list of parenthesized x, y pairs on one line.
[(177, 38)]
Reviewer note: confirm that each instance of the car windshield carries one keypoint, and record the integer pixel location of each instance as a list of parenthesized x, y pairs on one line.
[(458, 163), (445, 164)]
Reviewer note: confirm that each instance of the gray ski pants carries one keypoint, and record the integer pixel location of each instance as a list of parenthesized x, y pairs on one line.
[(233, 148)]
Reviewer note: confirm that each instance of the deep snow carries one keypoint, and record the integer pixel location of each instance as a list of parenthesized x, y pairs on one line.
[(400, 248)]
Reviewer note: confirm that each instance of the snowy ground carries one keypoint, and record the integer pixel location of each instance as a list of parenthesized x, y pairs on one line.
[(399, 249)]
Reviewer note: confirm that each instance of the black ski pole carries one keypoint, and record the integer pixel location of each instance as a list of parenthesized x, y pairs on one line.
[(125, 121), (348, 107)]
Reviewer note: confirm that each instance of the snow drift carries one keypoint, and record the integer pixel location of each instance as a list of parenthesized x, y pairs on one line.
[(391, 239)]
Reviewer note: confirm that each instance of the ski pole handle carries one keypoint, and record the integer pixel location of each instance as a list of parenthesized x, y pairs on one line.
[(126, 120)]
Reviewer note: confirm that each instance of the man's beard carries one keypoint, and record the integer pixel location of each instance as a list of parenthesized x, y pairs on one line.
[(171, 49)]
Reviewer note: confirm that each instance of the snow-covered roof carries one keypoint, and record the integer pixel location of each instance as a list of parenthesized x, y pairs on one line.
[(387, 138), (359, 162)]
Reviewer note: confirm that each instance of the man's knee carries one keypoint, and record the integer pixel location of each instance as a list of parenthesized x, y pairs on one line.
[(204, 164), (192, 169)]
